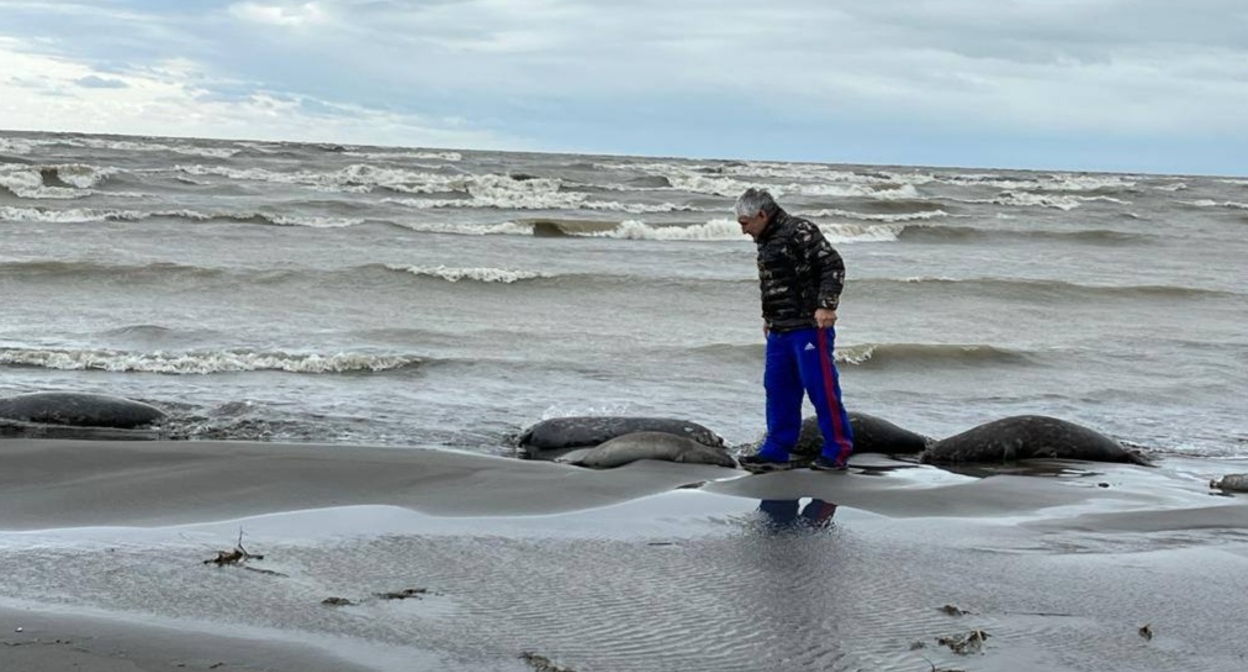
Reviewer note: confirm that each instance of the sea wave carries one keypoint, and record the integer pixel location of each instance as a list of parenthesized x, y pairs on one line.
[(457, 190), (880, 355), (19, 146), (1041, 289), (84, 215), (53, 181), (1105, 184), (713, 230), (405, 155), (536, 196), (921, 215), (89, 269), (731, 187), (1209, 203), (720, 178), (127, 145), (1029, 199), (717, 229), (203, 362), (877, 355), (495, 275), (939, 232), (358, 178)]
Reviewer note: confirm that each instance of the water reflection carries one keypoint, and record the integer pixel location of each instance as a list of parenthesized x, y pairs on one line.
[(790, 515)]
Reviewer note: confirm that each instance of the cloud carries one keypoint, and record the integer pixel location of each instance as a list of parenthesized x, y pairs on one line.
[(175, 97), (97, 82), (278, 15), (639, 75)]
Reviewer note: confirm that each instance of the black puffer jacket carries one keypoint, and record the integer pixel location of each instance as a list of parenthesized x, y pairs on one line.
[(798, 271)]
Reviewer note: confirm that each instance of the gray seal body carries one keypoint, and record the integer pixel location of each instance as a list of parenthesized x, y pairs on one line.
[(1231, 483), (550, 439), (649, 446), (80, 410), (1025, 437)]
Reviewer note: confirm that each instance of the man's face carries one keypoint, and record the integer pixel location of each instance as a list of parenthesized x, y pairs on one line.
[(753, 225)]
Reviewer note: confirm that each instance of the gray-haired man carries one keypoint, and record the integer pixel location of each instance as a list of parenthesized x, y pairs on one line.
[(801, 277)]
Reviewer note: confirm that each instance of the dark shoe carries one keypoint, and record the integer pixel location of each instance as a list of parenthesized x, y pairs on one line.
[(761, 465), (822, 463)]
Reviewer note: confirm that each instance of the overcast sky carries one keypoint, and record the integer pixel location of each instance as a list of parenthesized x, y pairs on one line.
[(1121, 85)]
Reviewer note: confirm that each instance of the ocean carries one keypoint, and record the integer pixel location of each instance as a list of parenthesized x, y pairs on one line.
[(432, 297)]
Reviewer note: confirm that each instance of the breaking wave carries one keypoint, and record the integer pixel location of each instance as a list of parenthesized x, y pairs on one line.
[(495, 275), (1207, 203), (53, 181), (83, 215), (882, 355), (877, 355), (27, 145), (208, 362), (922, 215), (1028, 199)]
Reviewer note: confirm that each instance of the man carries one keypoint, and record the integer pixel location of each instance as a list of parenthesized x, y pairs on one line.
[(801, 277)]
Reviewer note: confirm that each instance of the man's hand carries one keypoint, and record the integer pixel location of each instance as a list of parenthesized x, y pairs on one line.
[(825, 318)]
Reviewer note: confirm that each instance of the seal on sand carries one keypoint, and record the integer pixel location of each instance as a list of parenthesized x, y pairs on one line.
[(649, 446), (80, 410), (1231, 483), (871, 435), (550, 439), (1025, 437)]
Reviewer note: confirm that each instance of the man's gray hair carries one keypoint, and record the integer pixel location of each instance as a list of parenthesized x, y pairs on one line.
[(754, 201)]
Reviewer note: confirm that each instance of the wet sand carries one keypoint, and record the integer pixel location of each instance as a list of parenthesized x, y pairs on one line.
[(652, 566)]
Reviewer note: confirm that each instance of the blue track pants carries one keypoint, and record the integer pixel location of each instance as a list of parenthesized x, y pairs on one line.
[(799, 363)]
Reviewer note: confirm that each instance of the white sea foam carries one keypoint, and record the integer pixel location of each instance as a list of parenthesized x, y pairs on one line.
[(1027, 199), (67, 216), (498, 275), (860, 233), (82, 215), (314, 222), (535, 200), (730, 187), (19, 146), (1057, 182), (202, 362), (1177, 186), (878, 217), (27, 181), (1207, 203), (716, 229), (418, 156), (149, 146), (500, 229), (802, 172), (326, 181)]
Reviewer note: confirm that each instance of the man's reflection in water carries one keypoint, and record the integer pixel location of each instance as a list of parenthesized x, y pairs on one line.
[(789, 514)]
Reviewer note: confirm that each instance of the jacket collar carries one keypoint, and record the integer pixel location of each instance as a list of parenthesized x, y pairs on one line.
[(773, 224)]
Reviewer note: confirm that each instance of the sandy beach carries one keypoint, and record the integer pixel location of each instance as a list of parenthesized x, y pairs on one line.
[(441, 560)]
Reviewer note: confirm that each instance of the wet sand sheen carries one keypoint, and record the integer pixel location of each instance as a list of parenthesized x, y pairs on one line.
[(611, 570)]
